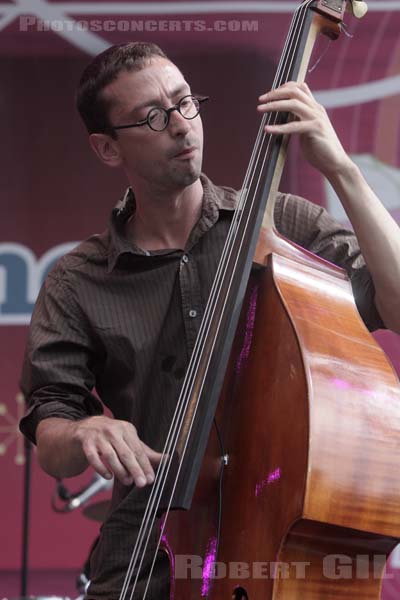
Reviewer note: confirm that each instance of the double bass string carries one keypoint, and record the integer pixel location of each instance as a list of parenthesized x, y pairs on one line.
[(170, 445)]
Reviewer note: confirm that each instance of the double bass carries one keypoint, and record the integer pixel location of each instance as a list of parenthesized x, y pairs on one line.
[(282, 460)]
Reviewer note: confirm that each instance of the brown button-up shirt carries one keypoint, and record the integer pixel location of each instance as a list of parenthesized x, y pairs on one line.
[(123, 321)]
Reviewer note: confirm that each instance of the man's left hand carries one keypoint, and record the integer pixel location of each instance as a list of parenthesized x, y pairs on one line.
[(319, 142)]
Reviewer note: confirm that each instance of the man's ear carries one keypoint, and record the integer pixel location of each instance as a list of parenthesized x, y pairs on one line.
[(106, 148)]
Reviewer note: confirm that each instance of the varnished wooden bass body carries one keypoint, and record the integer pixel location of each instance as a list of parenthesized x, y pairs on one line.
[(310, 423)]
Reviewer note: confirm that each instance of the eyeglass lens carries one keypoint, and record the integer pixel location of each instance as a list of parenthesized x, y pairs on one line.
[(158, 117)]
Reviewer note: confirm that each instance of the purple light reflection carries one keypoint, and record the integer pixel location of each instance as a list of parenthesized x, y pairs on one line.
[(248, 335), (271, 478), (208, 566), (340, 383), (346, 385), (171, 556)]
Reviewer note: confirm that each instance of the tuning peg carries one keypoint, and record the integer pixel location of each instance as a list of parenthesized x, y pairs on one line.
[(359, 8)]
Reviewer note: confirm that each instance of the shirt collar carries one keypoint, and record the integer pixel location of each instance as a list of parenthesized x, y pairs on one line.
[(215, 199)]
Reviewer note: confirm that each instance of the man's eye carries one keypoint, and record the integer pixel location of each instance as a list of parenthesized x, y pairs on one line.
[(154, 115)]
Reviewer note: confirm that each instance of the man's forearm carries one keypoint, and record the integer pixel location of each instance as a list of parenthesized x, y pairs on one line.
[(60, 453), (379, 237)]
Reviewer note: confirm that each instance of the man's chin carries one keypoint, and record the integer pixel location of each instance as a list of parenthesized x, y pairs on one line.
[(186, 177)]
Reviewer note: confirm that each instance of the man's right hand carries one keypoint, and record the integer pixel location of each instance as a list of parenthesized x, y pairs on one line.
[(113, 448)]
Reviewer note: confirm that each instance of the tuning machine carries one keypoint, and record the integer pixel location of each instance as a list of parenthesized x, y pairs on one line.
[(358, 8)]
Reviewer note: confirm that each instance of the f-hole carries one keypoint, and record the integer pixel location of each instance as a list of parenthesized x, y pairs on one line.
[(239, 593)]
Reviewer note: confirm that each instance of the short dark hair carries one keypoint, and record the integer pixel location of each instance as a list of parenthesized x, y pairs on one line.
[(104, 69)]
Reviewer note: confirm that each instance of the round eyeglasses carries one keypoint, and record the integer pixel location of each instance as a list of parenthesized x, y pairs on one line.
[(158, 117)]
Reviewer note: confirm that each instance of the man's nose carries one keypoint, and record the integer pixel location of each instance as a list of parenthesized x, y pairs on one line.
[(178, 124)]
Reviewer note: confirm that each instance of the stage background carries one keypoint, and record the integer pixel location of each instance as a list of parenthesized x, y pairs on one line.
[(55, 193)]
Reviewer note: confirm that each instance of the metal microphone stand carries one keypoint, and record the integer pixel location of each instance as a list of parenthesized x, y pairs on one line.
[(25, 518)]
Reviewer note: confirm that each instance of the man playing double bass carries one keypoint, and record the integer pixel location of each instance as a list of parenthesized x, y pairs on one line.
[(120, 313)]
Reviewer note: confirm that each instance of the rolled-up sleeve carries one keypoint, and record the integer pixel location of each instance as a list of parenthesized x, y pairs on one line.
[(58, 374)]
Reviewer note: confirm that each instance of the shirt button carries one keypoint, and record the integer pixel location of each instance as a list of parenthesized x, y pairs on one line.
[(185, 258), (192, 313)]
